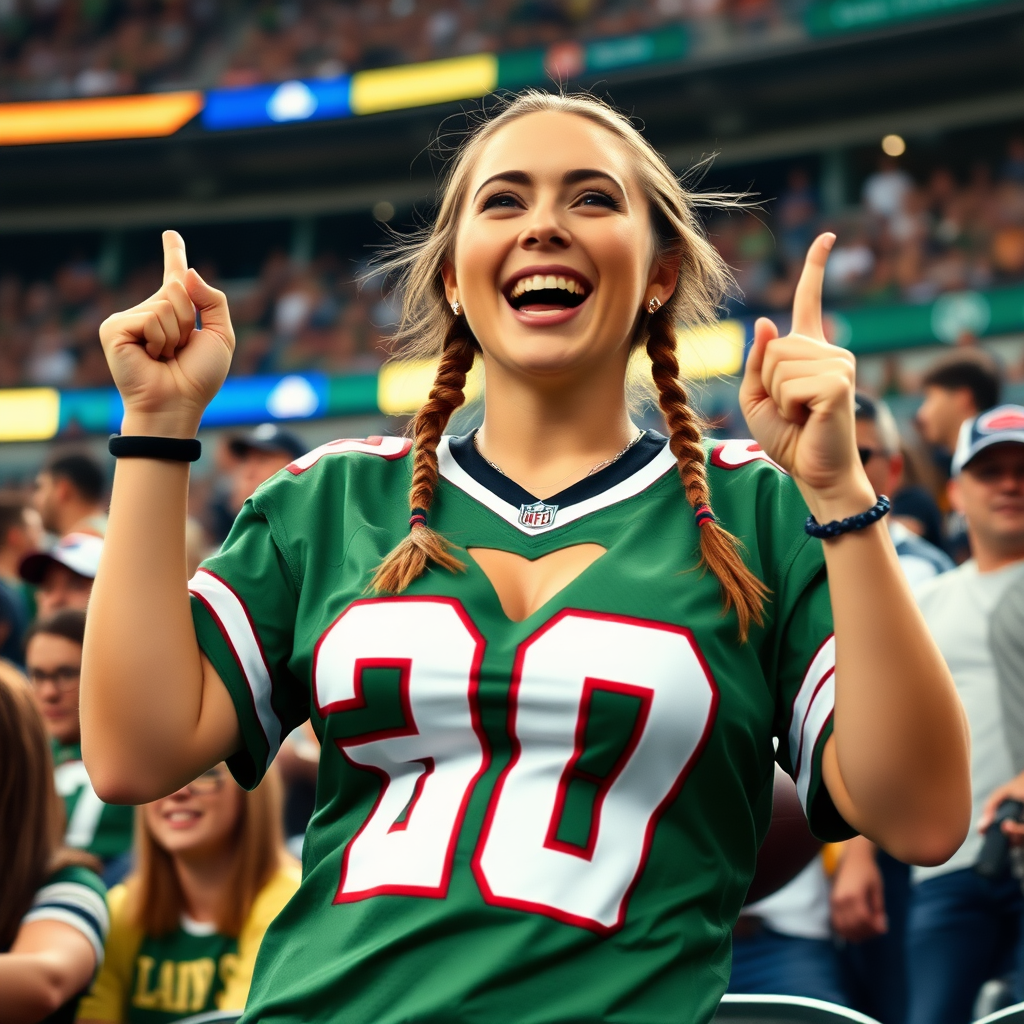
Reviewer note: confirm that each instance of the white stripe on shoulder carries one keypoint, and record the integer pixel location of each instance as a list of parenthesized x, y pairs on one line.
[(76, 921), (75, 894), (389, 448), (628, 488), (235, 623), (812, 707)]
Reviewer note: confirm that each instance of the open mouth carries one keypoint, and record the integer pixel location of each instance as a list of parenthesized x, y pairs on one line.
[(547, 290)]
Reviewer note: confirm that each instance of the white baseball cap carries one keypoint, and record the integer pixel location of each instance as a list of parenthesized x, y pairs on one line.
[(79, 552)]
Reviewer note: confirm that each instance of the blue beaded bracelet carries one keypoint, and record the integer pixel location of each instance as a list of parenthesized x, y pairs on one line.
[(827, 531)]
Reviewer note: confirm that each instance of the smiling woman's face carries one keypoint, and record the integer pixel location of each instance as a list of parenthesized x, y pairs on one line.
[(554, 254)]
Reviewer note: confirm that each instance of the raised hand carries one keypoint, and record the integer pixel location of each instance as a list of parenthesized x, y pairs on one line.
[(166, 370), (797, 393)]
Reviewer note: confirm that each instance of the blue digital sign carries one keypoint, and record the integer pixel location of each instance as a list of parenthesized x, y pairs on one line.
[(278, 103)]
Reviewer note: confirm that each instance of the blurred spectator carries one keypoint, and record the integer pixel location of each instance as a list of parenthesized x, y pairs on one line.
[(187, 924), (878, 443), (963, 928), (53, 918), (261, 453), (63, 575), (957, 387), (53, 660), (885, 192), (20, 533), (70, 494)]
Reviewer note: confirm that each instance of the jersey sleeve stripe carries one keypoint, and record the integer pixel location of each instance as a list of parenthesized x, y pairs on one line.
[(235, 623), (818, 715), (77, 895), (823, 662)]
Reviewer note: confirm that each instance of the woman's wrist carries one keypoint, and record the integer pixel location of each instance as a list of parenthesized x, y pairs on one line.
[(182, 424), (849, 498)]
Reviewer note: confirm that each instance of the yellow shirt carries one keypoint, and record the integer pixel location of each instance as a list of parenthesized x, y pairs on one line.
[(131, 986)]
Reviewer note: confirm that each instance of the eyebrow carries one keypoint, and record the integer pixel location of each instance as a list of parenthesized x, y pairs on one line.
[(569, 178)]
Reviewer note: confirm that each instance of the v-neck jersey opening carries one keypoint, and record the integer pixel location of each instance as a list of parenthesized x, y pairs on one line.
[(469, 459)]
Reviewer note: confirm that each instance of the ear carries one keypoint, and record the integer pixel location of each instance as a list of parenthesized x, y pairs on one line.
[(895, 472), (955, 495), (451, 285), (663, 278)]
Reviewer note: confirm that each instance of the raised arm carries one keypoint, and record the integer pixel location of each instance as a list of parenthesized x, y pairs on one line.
[(898, 763), (154, 712)]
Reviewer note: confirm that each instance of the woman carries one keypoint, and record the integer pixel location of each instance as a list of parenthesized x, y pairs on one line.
[(53, 660), (53, 918), (547, 753), (185, 927)]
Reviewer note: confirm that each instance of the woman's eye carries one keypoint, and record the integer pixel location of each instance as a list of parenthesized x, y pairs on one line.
[(595, 198), (501, 201)]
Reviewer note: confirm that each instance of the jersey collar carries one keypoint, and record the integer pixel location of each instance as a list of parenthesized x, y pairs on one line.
[(461, 464)]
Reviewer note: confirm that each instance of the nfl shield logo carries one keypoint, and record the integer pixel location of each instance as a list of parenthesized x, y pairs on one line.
[(537, 515)]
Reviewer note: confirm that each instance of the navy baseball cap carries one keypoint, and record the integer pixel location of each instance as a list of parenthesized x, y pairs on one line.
[(996, 426), (268, 437)]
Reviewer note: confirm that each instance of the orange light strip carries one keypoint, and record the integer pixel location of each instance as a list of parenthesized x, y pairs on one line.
[(112, 117)]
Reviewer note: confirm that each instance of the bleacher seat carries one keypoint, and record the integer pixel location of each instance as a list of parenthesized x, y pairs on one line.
[(1010, 1015), (785, 1010)]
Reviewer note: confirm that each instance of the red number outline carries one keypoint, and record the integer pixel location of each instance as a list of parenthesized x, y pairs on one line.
[(530, 906), (439, 891)]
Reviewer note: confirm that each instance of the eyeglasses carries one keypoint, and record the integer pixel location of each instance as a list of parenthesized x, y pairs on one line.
[(207, 783), (867, 454), (64, 677)]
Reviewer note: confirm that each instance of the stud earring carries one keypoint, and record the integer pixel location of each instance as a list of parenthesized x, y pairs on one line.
[(654, 305), (456, 307)]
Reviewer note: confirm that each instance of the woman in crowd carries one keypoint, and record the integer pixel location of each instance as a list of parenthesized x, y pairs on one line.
[(547, 756), (185, 927), (53, 661), (53, 919)]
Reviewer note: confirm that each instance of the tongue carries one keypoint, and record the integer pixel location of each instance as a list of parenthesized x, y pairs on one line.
[(542, 307)]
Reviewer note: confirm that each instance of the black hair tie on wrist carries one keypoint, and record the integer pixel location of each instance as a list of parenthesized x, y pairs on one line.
[(169, 449), (828, 531)]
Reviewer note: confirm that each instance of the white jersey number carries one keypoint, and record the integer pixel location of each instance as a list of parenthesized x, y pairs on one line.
[(429, 767)]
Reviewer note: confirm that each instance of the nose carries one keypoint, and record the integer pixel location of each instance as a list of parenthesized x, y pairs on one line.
[(544, 229)]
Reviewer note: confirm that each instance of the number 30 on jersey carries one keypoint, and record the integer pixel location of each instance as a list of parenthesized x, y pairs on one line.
[(429, 767)]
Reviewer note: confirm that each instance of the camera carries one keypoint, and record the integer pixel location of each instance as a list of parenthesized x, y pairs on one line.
[(994, 859)]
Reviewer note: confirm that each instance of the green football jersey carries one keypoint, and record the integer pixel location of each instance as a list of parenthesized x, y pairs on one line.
[(552, 820), (105, 830)]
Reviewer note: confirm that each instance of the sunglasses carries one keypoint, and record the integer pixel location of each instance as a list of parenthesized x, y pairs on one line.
[(867, 454)]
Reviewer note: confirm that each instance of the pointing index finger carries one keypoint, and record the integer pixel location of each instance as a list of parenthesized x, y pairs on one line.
[(807, 300), (175, 262)]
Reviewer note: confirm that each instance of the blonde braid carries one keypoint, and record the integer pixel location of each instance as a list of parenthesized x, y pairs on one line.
[(408, 561), (719, 549)]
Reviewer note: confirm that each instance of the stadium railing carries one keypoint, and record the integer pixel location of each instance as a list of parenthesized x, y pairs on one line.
[(736, 1009)]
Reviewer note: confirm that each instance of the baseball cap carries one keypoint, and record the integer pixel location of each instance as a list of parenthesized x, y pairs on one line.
[(79, 552), (268, 437), (996, 426)]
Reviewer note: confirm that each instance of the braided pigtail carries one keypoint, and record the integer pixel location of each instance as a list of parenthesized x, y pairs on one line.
[(408, 561), (719, 549)]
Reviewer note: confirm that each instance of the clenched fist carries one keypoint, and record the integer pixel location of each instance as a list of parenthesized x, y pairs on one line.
[(166, 369)]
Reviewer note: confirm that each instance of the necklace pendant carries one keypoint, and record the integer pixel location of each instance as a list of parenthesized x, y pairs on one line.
[(537, 515)]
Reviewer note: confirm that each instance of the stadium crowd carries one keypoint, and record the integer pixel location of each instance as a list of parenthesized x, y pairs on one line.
[(907, 241), (195, 878), (52, 49)]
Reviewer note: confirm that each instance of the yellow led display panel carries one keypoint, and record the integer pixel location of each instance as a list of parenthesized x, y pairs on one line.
[(404, 385), (418, 85), (29, 414)]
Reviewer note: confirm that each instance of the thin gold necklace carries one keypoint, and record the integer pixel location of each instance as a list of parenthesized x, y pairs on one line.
[(593, 469)]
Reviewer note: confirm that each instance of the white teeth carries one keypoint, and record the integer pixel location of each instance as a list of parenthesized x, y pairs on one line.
[(539, 281)]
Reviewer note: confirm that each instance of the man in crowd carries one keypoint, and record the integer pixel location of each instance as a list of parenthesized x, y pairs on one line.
[(63, 575), (21, 532), (261, 453), (959, 386), (963, 928), (53, 661), (70, 494)]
